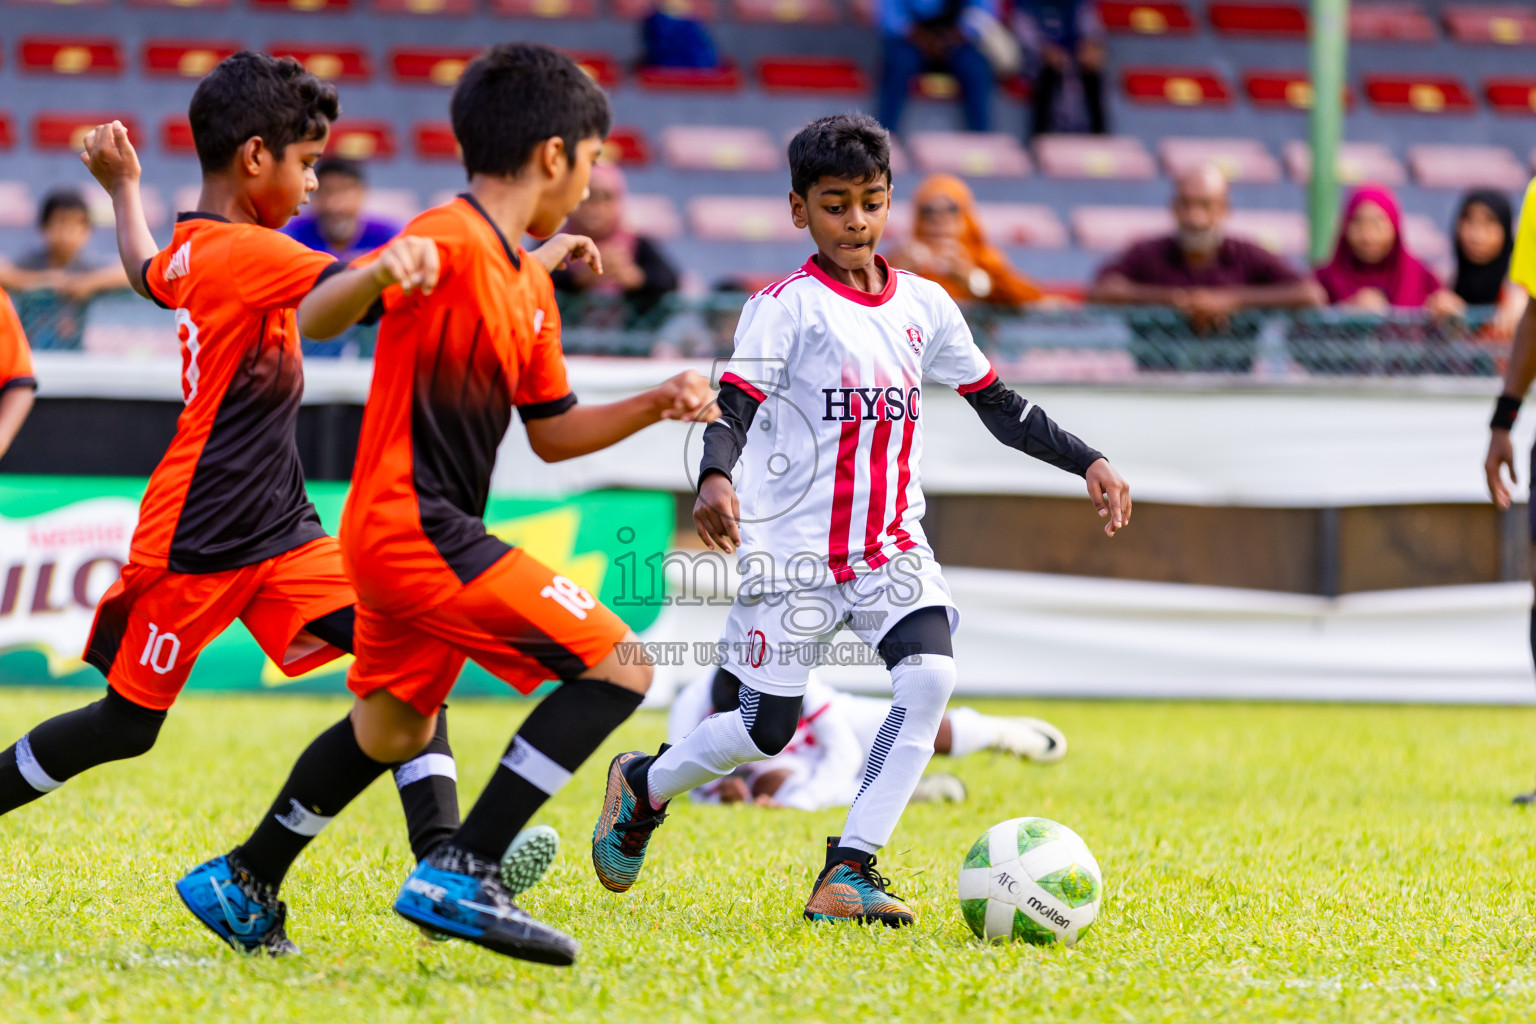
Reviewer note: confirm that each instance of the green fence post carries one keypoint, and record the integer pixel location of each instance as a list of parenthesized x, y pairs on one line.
[(1330, 40)]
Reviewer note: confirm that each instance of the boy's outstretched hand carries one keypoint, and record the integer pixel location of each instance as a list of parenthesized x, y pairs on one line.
[(410, 261), (562, 250), (1110, 494), (109, 156), (717, 513), (687, 396)]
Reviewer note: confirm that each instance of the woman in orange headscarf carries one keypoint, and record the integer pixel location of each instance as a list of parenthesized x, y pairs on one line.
[(947, 246)]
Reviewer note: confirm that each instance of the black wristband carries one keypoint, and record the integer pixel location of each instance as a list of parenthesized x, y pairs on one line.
[(1504, 412)]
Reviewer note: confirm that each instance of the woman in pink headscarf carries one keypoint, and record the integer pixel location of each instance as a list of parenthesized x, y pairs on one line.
[(1372, 269), (633, 266)]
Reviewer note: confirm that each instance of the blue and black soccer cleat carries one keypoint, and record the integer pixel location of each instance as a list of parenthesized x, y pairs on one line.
[(234, 906), (624, 828), (457, 894)]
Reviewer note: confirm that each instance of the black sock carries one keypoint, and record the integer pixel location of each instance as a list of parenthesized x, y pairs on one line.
[(429, 792), (1533, 633), (331, 773), (562, 732), (112, 729), (837, 854)]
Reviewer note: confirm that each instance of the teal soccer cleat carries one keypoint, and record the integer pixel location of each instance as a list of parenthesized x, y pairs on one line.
[(624, 828), (234, 906)]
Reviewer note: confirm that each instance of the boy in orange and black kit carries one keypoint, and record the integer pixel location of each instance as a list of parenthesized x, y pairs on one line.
[(434, 587), (225, 527)]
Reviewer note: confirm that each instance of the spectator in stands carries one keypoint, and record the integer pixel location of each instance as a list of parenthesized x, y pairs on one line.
[(633, 265), (1065, 43), (671, 39), (1199, 269), (1372, 269), (1485, 242), (335, 222), (933, 35), (948, 247), (54, 284)]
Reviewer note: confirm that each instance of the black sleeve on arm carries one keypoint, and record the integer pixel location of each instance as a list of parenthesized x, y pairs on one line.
[(725, 438), (144, 280), (1018, 424)]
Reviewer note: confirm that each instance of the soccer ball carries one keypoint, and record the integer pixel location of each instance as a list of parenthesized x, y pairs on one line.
[(1030, 879)]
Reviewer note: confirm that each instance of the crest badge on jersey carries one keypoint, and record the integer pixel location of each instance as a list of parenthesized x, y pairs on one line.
[(915, 338)]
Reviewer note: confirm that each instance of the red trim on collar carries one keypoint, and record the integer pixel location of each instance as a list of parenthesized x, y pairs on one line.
[(853, 294)]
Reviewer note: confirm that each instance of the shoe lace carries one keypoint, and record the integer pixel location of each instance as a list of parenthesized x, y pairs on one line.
[(636, 832), (873, 877)]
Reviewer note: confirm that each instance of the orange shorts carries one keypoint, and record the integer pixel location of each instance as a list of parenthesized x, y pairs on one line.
[(153, 623), (519, 620)]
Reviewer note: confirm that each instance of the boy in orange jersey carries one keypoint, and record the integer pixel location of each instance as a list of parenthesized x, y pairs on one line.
[(434, 587), (16, 381), (225, 528)]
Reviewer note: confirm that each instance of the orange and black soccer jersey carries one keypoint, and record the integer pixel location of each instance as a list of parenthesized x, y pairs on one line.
[(229, 491), (15, 356), (448, 368)]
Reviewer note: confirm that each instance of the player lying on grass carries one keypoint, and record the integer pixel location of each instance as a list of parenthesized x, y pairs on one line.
[(434, 588), (828, 518), (225, 527), (824, 762)]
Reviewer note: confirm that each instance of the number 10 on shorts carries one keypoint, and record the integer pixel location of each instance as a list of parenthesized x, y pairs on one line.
[(160, 650), (571, 595)]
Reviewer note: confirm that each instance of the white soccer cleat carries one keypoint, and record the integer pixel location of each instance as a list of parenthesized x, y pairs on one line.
[(1031, 738), (938, 788)]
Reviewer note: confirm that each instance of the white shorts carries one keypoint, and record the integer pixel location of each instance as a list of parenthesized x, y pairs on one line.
[(772, 641)]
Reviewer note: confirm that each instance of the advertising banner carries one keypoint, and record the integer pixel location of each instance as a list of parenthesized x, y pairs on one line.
[(63, 540)]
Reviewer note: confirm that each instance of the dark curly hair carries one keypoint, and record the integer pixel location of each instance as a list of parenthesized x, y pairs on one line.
[(851, 146), (251, 95)]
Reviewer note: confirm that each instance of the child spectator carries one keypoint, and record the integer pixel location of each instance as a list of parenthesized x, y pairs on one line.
[(54, 284), (1484, 235), (1372, 269)]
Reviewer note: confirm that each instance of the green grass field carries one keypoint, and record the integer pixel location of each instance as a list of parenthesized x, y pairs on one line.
[(1261, 862)]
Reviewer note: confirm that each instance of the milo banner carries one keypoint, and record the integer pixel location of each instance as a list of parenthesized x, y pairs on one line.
[(63, 540)]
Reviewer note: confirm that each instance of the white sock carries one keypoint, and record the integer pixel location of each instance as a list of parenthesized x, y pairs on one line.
[(716, 747), (921, 686), (970, 731)]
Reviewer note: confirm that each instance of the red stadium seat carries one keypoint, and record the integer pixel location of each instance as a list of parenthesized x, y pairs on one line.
[(1112, 228), (1031, 224), (1112, 157), (742, 219), (304, 6), (362, 140), (602, 68), (973, 154), (1182, 87), (555, 9), (655, 216), (433, 140), (811, 74), (1461, 166), (1502, 24), (1159, 17), (1418, 94), (786, 12), (1390, 21), (331, 63), (627, 147), (1245, 160), (1357, 162), (16, 206), (1511, 95), (726, 79), (702, 10), (1290, 90), (185, 58), (429, 66), (1258, 19), (452, 8), (66, 55), (64, 132), (1284, 232), (7, 132), (711, 148), (176, 136)]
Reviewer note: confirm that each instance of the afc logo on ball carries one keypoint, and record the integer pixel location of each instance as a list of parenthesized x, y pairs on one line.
[(915, 338)]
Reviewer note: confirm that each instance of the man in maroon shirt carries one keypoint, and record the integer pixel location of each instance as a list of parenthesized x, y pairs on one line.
[(1198, 269)]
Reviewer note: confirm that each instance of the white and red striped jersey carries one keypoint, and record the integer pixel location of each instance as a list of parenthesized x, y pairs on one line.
[(828, 474)]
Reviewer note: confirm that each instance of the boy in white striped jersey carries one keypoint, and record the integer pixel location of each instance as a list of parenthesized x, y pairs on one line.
[(825, 514)]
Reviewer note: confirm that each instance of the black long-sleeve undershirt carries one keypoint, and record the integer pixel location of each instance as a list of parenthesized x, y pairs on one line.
[(727, 436), (1019, 424)]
